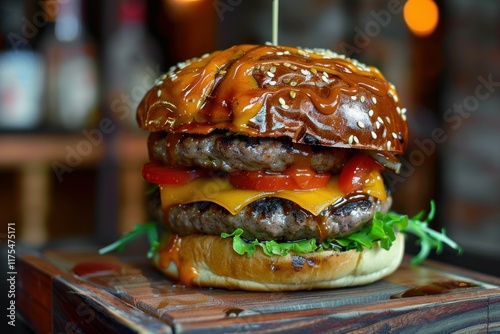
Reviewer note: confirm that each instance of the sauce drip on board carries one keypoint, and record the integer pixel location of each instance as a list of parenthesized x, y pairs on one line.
[(233, 312), (435, 288), (89, 268)]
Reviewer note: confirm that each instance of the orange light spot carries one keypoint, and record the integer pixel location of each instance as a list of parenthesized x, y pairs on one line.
[(421, 16)]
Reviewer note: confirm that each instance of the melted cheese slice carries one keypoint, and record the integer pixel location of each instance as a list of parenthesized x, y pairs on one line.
[(220, 191)]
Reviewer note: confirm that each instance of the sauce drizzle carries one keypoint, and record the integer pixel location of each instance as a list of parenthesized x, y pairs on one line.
[(171, 253), (435, 288)]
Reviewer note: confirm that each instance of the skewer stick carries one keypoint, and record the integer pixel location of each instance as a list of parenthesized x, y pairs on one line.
[(275, 21)]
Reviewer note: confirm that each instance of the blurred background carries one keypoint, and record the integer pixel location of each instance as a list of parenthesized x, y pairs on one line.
[(72, 73)]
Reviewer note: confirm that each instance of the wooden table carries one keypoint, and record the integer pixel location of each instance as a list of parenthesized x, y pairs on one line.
[(131, 297)]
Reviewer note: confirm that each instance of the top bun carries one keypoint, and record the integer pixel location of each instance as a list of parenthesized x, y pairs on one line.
[(315, 97)]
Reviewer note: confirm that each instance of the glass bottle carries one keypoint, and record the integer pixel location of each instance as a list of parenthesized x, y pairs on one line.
[(72, 85), (21, 73)]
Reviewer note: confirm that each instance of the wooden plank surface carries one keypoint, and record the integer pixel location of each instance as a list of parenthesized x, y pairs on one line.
[(132, 297)]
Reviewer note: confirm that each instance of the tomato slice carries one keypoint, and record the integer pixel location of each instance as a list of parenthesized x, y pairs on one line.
[(356, 171), (292, 178), (157, 173)]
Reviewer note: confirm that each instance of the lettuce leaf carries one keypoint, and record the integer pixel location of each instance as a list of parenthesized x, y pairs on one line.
[(241, 246)]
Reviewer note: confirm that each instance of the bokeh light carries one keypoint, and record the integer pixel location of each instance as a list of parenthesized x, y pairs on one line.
[(421, 16)]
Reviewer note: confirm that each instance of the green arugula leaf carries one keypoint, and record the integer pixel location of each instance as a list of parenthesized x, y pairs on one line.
[(428, 238), (139, 229)]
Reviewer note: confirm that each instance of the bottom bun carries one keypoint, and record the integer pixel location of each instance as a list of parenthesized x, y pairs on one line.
[(210, 261)]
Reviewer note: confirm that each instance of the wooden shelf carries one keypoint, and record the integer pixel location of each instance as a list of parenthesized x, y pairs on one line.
[(44, 149), (41, 158)]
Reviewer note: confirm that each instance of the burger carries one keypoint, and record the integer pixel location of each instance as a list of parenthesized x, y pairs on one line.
[(268, 164), (267, 158)]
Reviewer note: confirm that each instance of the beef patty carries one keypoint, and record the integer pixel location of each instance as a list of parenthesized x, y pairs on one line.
[(230, 153), (274, 219)]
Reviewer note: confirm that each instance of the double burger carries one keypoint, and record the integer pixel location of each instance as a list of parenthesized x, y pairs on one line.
[(268, 160)]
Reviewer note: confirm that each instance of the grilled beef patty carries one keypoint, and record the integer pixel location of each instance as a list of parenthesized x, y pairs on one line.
[(274, 219), (230, 153)]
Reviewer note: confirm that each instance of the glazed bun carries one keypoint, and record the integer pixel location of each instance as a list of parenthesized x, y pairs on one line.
[(217, 265), (315, 97)]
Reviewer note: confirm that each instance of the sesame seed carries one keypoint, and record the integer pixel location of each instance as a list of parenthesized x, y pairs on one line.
[(159, 83), (398, 109), (388, 119), (158, 93), (293, 67), (377, 125), (351, 138), (403, 116), (282, 100), (313, 70), (388, 145), (403, 110), (370, 112), (367, 180), (279, 53), (380, 119), (286, 80), (325, 74), (384, 134), (270, 74), (325, 79), (272, 83), (354, 97), (163, 77), (287, 64), (361, 124), (374, 100), (305, 72), (374, 135), (362, 99), (293, 94), (394, 135), (293, 83), (272, 69), (356, 139)]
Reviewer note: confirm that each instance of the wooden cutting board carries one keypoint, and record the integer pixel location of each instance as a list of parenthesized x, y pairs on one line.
[(129, 296)]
